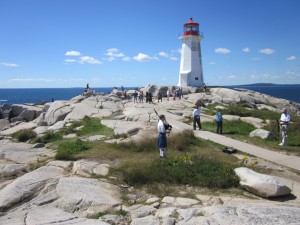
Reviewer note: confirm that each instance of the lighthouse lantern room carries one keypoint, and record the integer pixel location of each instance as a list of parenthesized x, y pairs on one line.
[(191, 72)]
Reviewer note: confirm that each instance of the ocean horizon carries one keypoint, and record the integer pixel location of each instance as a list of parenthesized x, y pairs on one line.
[(39, 95)]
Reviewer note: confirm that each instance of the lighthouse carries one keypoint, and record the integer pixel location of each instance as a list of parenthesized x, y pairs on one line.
[(191, 72)]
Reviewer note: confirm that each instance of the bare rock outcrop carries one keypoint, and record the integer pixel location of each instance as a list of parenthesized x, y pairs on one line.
[(260, 184)]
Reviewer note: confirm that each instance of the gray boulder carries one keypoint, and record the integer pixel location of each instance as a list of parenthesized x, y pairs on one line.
[(264, 134), (57, 111), (260, 184), (26, 112), (4, 124)]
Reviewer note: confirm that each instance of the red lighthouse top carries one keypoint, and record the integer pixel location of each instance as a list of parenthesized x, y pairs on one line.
[(191, 28)]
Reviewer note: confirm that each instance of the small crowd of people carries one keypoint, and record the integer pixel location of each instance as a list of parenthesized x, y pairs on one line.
[(283, 123), (87, 91)]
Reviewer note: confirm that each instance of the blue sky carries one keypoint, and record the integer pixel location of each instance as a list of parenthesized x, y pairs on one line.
[(68, 43)]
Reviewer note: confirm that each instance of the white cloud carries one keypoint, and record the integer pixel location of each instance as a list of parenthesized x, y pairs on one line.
[(232, 77), (9, 64), (173, 58), (255, 59), (246, 49), (291, 58), (89, 59), (114, 52), (212, 63), (42, 79), (111, 58), (142, 57), (72, 53), (163, 54), (126, 59), (267, 51), (70, 60), (254, 77), (222, 50)]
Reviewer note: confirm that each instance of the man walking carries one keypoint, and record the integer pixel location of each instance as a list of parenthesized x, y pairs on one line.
[(284, 124), (196, 115)]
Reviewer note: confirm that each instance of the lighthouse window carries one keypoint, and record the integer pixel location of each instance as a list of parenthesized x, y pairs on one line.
[(196, 78)]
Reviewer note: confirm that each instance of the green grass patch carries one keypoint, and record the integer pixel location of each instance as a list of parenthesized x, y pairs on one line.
[(48, 137), (191, 161), (90, 126), (195, 171), (235, 128), (67, 149), (24, 135), (245, 111), (93, 126)]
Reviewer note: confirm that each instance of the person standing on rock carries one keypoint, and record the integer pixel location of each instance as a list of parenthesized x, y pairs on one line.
[(284, 124), (196, 115), (219, 121), (168, 94), (162, 137), (159, 96), (135, 94)]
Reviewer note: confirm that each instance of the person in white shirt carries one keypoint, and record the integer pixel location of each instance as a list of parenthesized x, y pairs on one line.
[(168, 94), (162, 138), (284, 125), (196, 115)]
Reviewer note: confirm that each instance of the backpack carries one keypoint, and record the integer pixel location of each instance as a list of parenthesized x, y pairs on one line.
[(219, 117)]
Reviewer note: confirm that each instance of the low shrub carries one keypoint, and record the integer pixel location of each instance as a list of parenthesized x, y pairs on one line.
[(195, 171), (49, 136), (67, 150), (24, 135), (93, 125)]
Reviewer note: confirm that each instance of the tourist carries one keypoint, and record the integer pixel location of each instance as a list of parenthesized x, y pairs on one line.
[(125, 94), (150, 97), (147, 96), (168, 94), (159, 96), (135, 94), (139, 96), (142, 97), (284, 124), (219, 121), (174, 94), (204, 87), (196, 115), (162, 137), (180, 93)]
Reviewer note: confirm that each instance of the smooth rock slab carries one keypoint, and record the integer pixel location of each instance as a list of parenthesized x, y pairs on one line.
[(23, 152), (13, 169), (148, 220), (27, 185), (258, 214), (260, 184), (87, 168), (88, 196), (51, 215)]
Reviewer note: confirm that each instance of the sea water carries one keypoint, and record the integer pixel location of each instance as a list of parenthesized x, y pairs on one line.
[(38, 95)]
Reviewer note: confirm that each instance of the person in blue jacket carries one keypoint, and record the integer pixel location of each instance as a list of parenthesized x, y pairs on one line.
[(219, 121)]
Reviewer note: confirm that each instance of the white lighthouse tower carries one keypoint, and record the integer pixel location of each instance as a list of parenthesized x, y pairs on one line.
[(191, 72)]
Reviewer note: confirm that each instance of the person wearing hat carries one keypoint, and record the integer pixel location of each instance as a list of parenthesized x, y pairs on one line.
[(162, 137), (284, 124)]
